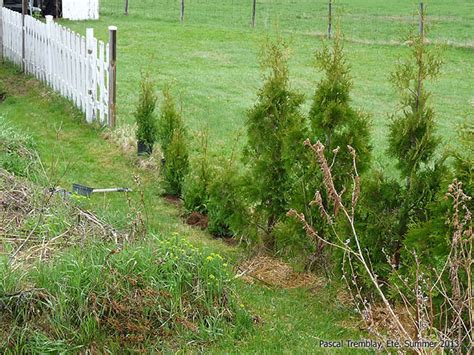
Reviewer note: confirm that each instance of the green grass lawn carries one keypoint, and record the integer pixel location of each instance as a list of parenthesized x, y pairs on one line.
[(291, 320), (215, 66)]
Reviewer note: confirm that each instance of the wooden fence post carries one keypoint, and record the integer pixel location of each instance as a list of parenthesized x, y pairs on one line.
[(254, 12), (1, 30), (330, 20), (422, 20), (126, 7), (112, 75), (181, 18), (24, 9)]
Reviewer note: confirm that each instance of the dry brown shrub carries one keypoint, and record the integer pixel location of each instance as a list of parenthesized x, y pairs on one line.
[(25, 211)]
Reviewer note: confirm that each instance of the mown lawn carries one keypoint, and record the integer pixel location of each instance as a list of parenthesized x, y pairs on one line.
[(213, 60), (290, 320)]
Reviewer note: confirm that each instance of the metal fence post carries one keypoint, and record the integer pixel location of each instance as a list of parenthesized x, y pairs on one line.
[(254, 12), (112, 75)]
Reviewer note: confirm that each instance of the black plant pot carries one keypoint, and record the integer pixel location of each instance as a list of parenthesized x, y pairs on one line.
[(144, 148)]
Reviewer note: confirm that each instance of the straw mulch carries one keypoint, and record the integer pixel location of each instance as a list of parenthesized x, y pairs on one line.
[(274, 272)]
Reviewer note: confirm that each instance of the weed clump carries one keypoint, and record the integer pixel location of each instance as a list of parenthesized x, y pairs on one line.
[(17, 151), (132, 298)]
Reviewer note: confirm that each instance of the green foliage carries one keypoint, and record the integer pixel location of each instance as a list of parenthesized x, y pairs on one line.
[(17, 151), (196, 182), (411, 138), (431, 237), (173, 137), (227, 209), (464, 159), (145, 112), (336, 124), (275, 127), (176, 163), (293, 243), (94, 296), (170, 119), (333, 121), (377, 217)]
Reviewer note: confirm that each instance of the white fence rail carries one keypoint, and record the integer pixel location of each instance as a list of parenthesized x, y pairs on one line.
[(75, 66)]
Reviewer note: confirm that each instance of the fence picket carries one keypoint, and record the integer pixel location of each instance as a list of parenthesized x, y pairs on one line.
[(72, 65)]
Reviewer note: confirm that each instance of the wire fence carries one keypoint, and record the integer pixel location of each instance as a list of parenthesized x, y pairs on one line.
[(364, 20)]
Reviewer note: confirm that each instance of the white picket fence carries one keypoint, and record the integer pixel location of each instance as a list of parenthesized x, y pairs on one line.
[(75, 66)]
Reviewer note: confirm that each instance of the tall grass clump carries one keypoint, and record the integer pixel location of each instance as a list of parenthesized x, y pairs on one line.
[(136, 298), (17, 151), (145, 113)]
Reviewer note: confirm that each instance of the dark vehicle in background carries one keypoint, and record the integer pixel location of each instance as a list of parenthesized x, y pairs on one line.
[(43, 7)]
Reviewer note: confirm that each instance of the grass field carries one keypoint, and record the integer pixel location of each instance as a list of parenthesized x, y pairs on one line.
[(215, 66)]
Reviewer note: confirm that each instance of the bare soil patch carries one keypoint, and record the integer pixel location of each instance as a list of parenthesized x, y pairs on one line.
[(172, 199), (198, 220)]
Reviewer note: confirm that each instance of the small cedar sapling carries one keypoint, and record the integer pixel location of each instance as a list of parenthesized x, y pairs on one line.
[(431, 238), (176, 163), (336, 124), (333, 120), (145, 114), (227, 208), (412, 141), (274, 127), (173, 137), (170, 119), (196, 183)]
